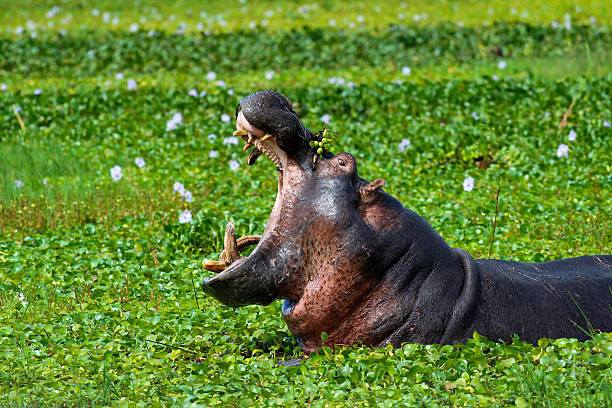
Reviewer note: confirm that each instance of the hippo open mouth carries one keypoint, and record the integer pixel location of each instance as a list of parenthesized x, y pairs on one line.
[(267, 123)]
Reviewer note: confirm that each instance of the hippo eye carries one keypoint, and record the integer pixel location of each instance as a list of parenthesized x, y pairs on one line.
[(341, 162)]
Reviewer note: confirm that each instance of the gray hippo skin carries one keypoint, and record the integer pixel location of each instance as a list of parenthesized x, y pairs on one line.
[(352, 261)]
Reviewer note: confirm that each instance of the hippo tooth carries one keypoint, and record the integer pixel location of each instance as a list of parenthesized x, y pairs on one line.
[(241, 132), (246, 146), (266, 137)]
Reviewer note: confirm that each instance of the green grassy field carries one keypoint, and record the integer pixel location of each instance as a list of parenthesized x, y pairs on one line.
[(99, 299)]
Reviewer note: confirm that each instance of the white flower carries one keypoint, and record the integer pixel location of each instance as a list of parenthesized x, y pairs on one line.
[(352, 24), (18, 183), (416, 17), (106, 17), (220, 82), (91, 54), (119, 76), (547, 115), (173, 123), (592, 20), (572, 135), (495, 77), (95, 12), (513, 11), (203, 93), (115, 21), (400, 16), (230, 92), (116, 173), (212, 154), (406, 71), (134, 27), (606, 123), (232, 140), (340, 81), (225, 118), (234, 165), (360, 18), (211, 76), (501, 64), (397, 82), (212, 136), (45, 182), (332, 22), (185, 217), (404, 144), (326, 118), (37, 91), (468, 184), (188, 196), (562, 150), (151, 33), (269, 75), (200, 26), (131, 84), (252, 25), (332, 80), (140, 162), (194, 93), (554, 24), (350, 84), (179, 188), (3, 87), (474, 115), (568, 25)]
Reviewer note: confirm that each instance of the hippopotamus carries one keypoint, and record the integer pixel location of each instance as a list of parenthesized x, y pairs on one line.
[(351, 261)]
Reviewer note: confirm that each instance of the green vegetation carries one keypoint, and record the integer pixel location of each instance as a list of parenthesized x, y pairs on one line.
[(99, 298)]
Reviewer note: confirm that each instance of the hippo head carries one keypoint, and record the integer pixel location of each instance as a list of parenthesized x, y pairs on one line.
[(329, 241)]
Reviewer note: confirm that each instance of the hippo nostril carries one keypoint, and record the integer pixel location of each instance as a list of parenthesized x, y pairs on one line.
[(341, 162)]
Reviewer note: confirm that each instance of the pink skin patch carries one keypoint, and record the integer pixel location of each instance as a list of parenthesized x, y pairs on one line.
[(242, 123)]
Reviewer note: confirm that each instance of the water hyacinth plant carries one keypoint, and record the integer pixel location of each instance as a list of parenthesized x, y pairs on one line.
[(100, 252)]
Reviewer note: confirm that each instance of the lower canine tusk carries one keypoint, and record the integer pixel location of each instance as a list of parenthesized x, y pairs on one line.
[(266, 137), (241, 132)]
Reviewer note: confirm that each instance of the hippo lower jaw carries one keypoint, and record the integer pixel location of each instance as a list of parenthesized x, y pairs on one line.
[(255, 279)]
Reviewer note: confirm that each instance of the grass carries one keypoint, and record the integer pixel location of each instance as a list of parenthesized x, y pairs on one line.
[(97, 277)]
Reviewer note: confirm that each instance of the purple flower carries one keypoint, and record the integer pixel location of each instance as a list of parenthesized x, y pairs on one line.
[(232, 140), (18, 183), (225, 118), (572, 135), (132, 84), (234, 165), (185, 217), (501, 64), (562, 150), (194, 93), (406, 71), (404, 144), (179, 188), (116, 173), (606, 123), (212, 154), (140, 162), (468, 184), (326, 118)]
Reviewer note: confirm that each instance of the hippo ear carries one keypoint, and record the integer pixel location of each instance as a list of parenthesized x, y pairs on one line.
[(368, 190)]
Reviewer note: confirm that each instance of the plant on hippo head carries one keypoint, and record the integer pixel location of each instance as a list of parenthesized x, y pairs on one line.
[(323, 141)]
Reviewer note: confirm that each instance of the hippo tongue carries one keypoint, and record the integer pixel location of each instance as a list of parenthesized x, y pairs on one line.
[(255, 153)]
